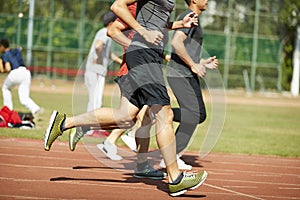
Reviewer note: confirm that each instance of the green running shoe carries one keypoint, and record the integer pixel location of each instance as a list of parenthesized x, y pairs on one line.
[(53, 130), (75, 135), (188, 182), (149, 172)]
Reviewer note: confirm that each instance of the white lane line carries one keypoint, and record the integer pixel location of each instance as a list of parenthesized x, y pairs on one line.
[(254, 182), (258, 165), (212, 170), (254, 172), (232, 191), (267, 175), (28, 197), (276, 197), (220, 173), (236, 186), (65, 168), (140, 186), (289, 188), (260, 157)]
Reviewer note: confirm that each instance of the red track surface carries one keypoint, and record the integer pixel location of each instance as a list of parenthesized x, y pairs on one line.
[(28, 172)]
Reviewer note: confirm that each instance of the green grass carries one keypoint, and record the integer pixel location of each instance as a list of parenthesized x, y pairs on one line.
[(248, 129), (267, 130)]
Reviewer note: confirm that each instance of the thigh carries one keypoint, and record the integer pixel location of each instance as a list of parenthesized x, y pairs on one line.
[(90, 80), (187, 91), (11, 80), (146, 78)]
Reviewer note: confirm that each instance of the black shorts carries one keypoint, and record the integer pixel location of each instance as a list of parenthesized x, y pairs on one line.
[(144, 84)]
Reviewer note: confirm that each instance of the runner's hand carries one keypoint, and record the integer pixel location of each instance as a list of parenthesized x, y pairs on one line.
[(210, 63), (190, 20), (153, 37), (199, 69)]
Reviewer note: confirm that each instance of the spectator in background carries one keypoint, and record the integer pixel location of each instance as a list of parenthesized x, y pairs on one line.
[(18, 75), (97, 63)]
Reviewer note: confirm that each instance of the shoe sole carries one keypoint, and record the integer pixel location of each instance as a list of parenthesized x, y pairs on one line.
[(71, 147), (102, 148), (192, 188), (47, 134)]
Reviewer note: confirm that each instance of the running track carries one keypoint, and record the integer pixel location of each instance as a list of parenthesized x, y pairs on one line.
[(28, 172)]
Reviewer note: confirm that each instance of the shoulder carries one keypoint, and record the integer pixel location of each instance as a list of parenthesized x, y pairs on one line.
[(183, 14)]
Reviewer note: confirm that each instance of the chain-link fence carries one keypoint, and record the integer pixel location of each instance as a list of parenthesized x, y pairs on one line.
[(244, 35)]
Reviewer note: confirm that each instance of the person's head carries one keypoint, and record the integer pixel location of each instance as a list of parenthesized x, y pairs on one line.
[(199, 4), (4, 44), (109, 18)]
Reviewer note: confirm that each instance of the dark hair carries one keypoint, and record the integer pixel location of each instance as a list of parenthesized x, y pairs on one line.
[(4, 43), (109, 17), (188, 2)]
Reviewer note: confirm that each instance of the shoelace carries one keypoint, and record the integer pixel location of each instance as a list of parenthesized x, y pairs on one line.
[(189, 175)]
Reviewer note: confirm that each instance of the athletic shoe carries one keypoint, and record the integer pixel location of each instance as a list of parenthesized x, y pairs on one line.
[(129, 141), (75, 135), (188, 182), (181, 164), (54, 129), (149, 172), (110, 150)]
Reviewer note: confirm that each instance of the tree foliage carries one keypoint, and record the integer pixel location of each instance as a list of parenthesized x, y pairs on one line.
[(277, 19), (289, 19)]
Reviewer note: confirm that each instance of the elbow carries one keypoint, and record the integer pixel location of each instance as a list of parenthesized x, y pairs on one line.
[(111, 32), (115, 7), (174, 45)]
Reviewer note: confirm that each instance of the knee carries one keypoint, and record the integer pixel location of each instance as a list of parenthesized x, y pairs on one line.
[(23, 101), (162, 113), (168, 114), (127, 121)]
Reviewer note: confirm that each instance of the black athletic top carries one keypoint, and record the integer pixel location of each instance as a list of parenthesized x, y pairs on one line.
[(192, 44)]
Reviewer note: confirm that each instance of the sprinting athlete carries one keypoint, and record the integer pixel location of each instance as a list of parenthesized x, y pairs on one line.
[(143, 85), (183, 78)]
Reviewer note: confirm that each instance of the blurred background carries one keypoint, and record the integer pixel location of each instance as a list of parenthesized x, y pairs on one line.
[(255, 40)]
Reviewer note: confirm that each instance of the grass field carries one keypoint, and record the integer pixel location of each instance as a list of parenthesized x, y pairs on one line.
[(257, 124)]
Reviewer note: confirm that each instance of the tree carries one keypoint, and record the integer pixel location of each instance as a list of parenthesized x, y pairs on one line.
[(289, 18)]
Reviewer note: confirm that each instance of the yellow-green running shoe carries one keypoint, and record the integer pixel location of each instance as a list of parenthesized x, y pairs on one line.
[(75, 135), (189, 181), (53, 130)]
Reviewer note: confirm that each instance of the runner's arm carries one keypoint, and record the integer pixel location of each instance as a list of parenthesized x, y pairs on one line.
[(190, 20), (119, 7), (115, 32)]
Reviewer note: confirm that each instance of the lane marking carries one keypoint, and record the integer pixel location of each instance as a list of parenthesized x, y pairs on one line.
[(244, 187), (64, 168), (254, 182), (232, 191), (288, 188), (260, 172), (84, 182)]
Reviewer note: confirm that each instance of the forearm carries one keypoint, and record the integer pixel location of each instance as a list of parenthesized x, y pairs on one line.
[(115, 58), (119, 7), (1, 66), (120, 38), (184, 56), (115, 31), (175, 25), (182, 53), (7, 67)]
